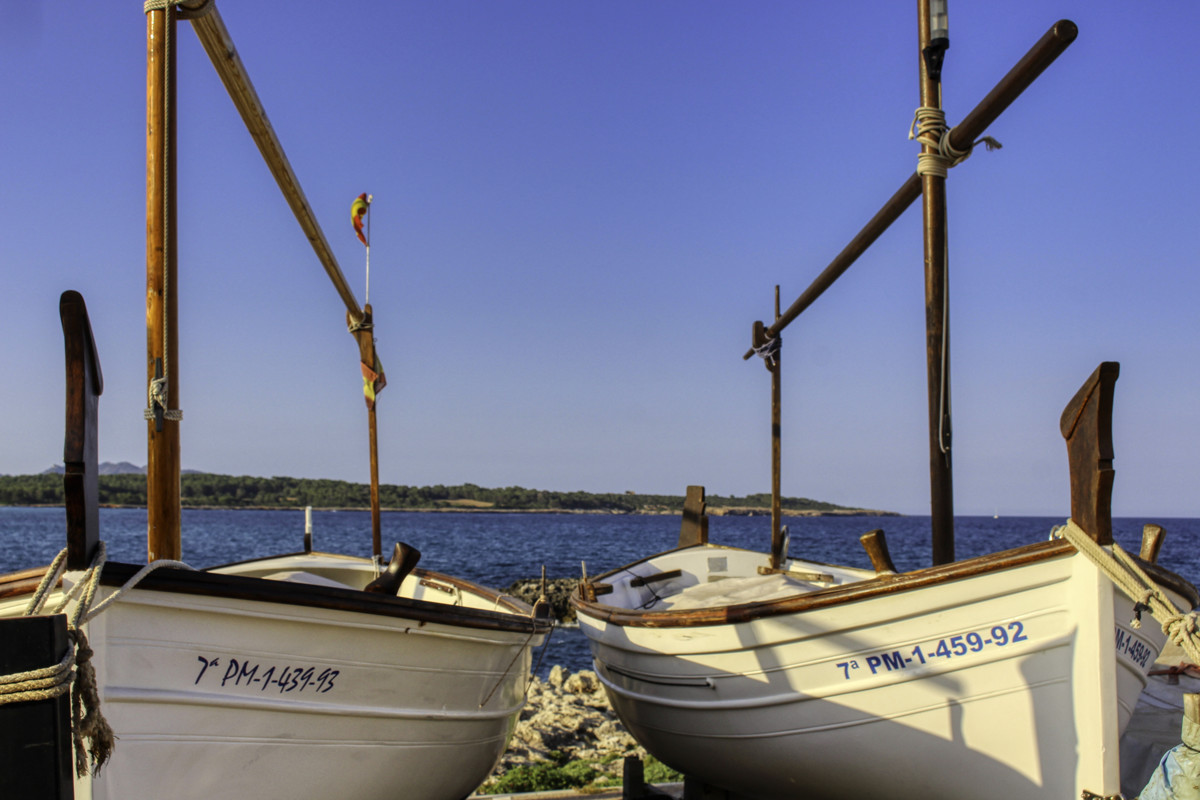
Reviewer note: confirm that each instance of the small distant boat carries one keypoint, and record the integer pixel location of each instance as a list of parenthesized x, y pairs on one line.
[(770, 677), (307, 675)]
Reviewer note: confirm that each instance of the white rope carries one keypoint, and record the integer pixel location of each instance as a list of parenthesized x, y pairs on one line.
[(75, 672), (768, 351), (929, 128), (1121, 568)]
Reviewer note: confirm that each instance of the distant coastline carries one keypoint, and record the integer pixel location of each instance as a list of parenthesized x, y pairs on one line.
[(124, 486)]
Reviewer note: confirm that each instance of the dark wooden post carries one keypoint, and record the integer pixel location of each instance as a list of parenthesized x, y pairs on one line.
[(364, 336), (35, 736), (162, 471), (1086, 424), (937, 334), (85, 383), (693, 528), (777, 543)]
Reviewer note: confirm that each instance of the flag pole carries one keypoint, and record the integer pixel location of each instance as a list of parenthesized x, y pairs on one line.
[(373, 377)]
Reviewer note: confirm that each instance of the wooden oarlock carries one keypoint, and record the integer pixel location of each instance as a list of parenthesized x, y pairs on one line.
[(932, 187), (163, 470)]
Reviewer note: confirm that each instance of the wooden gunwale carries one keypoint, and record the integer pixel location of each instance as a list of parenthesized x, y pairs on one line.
[(515, 615), (863, 590)]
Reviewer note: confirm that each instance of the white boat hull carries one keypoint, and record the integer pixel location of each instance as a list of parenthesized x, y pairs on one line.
[(1009, 683), (216, 696)]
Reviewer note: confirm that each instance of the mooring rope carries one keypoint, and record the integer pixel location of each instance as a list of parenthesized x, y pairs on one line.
[(92, 736), (1121, 568), (929, 127), (39, 684)]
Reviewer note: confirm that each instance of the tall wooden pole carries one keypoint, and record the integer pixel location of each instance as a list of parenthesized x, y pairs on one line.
[(777, 545), (162, 471), (937, 334), (364, 336)]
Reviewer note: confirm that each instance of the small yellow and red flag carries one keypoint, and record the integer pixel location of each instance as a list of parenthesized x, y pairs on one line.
[(373, 381), (358, 210)]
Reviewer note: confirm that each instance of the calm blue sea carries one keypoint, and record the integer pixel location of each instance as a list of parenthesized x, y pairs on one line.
[(496, 549)]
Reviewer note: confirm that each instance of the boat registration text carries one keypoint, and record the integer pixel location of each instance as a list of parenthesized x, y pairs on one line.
[(953, 647), (265, 677)]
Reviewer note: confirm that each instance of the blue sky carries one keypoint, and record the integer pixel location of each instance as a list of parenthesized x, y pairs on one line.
[(580, 208)]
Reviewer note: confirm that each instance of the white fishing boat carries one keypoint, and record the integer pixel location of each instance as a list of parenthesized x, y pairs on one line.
[(765, 676), (309, 675), (1010, 675)]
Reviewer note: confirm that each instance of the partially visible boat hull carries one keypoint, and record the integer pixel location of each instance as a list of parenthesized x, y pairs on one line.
[(1013, 683), (263, 699)]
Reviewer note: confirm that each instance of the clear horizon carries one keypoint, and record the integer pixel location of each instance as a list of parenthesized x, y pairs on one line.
[(579, 210)]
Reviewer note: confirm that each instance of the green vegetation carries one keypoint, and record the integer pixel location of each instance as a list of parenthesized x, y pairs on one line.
[(229, 491), (560, 773), (544, 776)]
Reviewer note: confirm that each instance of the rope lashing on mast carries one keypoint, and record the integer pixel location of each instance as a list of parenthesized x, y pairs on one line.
[(929, 127), (1121, 568), (75, 672), (768, 351), (158, 390)]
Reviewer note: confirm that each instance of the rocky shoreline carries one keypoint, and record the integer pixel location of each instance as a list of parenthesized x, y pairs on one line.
[(567, 718)]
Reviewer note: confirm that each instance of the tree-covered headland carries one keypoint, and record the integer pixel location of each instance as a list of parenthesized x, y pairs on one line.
[(206, 490)]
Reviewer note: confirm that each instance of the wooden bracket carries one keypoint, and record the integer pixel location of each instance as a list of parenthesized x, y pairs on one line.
[(1152, 542), (877, 550), (85, 383), (1086, 424)]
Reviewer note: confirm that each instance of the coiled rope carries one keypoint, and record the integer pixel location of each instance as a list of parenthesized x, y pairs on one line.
[(929, 128), (1121, 568), (75, 672)]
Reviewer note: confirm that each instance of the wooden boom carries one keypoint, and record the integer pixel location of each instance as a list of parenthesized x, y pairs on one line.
[(1010, 87), (215, 38)]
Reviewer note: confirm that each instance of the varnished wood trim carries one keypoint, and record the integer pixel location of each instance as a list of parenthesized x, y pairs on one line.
[(863, 590), (514, 615)]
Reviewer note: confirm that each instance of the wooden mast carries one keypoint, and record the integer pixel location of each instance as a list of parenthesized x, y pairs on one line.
[(162, 362), (937, 333), (777, 544)]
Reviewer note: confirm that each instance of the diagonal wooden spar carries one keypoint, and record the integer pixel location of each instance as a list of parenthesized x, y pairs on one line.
[(215, 38), (1010, 87)]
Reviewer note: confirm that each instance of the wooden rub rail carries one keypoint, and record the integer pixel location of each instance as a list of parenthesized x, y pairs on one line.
[(1018, 79)]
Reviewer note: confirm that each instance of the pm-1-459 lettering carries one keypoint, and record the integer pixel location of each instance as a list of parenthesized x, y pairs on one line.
[(953, 647), (235, 672)]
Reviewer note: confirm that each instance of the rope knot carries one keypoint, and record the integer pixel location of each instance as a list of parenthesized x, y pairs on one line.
[(768, 351), (929, 128), (1181, 628)]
